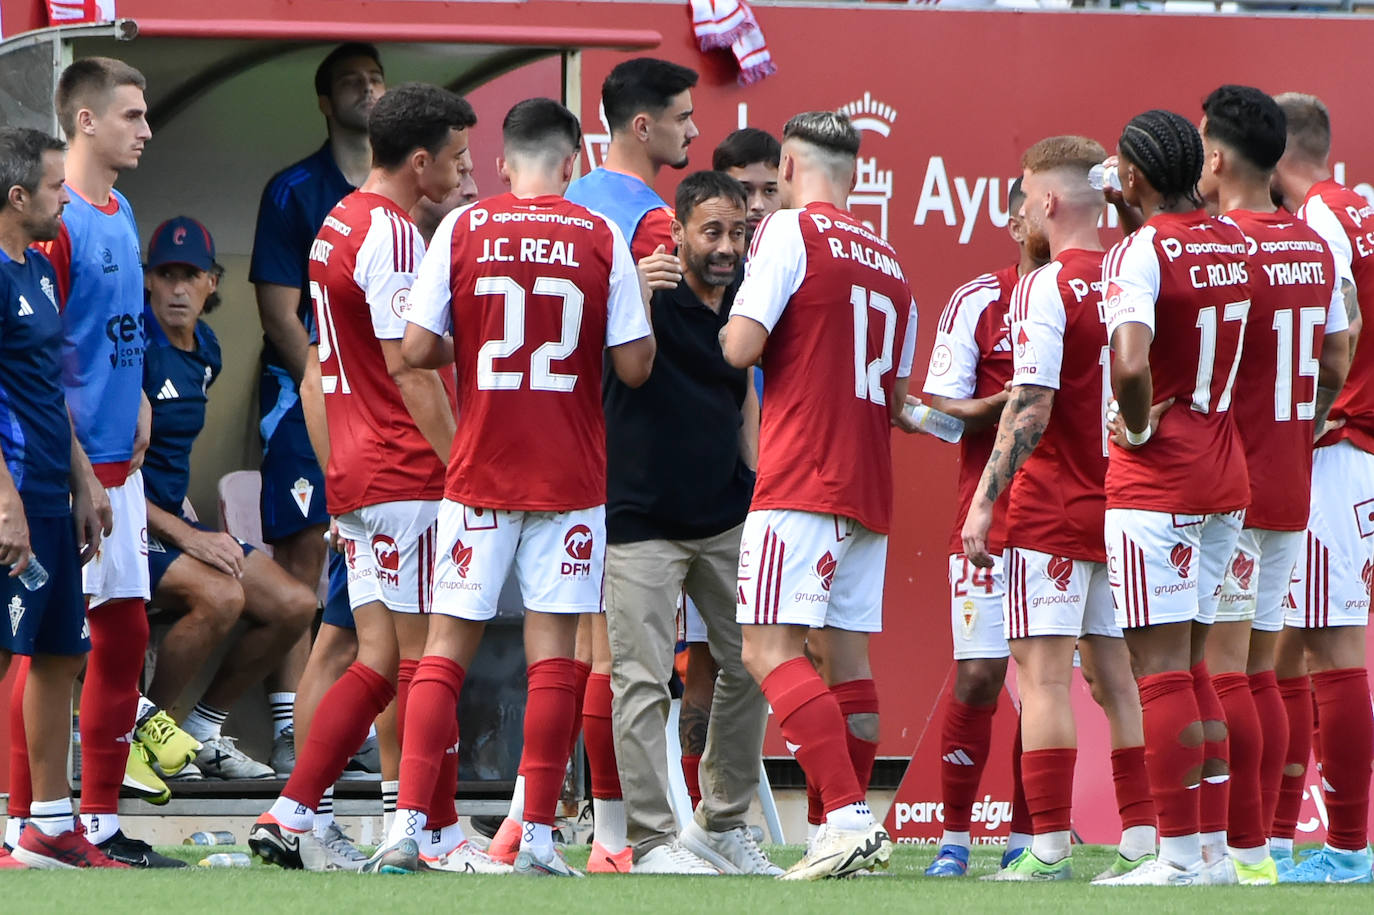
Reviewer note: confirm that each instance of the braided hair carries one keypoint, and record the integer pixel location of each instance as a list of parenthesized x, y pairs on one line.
[(1165, 147)]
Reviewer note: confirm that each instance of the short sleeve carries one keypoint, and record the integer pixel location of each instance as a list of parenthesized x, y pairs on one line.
[(775, 270), (654, 229), (953, 370), (277, 255), (1130, 276), (908, 355), (625, 316), (1037, 329), (1336, 318), (385, 269), (1317, 214), (431, 298)]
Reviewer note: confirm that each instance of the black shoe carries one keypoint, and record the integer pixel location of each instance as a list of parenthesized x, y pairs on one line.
[(487, 826), (135, 852)]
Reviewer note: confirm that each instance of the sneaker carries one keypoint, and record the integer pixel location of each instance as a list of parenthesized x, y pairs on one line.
[(731, 851), (1283, 859), (528, 865), (1157, 872), (135, 852), (672, 858), (9, 861), (1123, 865), (951, 861), (65, 852), (1221, 872), (1028, 867), (283, 758), (1266, 873), (505, 845), (1326, 865), (219, 758), (467, 858), (401, 857), (603, 862), (340, 850), (188, 773), (139, 775), (487, 826), (366, 763), (1011, 854), (287, 848), (172, 747), (840, 852)]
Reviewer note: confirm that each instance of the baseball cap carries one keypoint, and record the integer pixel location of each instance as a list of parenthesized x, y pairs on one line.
[(181, 240)]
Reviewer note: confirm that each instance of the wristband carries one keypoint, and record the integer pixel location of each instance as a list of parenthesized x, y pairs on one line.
[(1138, 439)]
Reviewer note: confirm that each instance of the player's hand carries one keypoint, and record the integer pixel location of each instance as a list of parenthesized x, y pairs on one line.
[(14, 532), (977, 523), (217, 550), (660, 270), (1116, 426), (1330, 425), (332, 537), (903, 419), (93, 518)]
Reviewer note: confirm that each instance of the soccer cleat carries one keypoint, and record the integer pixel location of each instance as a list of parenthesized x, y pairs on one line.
[(135, 852), (401, 857), (1027, 867), (1157, 872), (68, 851), (1283, 859), (9, 861), (139, 775), (1327, 865), (467, 858), (366, 763), (1122, 865), (731, 851), (287, 848), (505, 845), (672, 858), (1221, 872), (1011, 854), (340, 850), (603, 862), (951, 861), (219, 758), (283, 758), (528, 865), (1263, 874), (172, 747), (841, 852)]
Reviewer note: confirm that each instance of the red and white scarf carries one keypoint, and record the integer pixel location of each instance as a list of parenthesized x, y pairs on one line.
[(731, 24)]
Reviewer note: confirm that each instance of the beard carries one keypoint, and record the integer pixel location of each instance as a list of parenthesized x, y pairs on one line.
[(700, 266), (1037, 244)]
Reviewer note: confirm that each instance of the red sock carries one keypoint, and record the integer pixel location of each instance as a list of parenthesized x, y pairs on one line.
[(691, 774), (581, 671), (1048, 777), (815, 810), (404, 674), (1169, 707), (549, 710), (443, 806), (1215, 795), (1297, 703), (431, 730), (598, 738), (339, 727), (109, 699), (858, 697), (1347, 739), (1132, 783), (811, 722), (1245, 825), (1273, 721), (1020, 813), (1316, 730), (965, 739), (21, 787)]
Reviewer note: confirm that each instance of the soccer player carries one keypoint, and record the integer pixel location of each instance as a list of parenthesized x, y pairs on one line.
[(295, 201), (648, 107), (209, 577), (1177, 297), (970, 369), (1331, 591), (53, 511), (387, 425), (815, 541), (539, 291), (1051, 452), (751, 156)]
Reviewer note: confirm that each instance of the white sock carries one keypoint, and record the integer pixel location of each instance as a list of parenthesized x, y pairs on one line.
[(1213, 847), (204, 722), (1345, 851), (99, 826), (13, 827), (436, 843), (609, 819), (324, 814), (1184, 851), (372, 731), (406, 824), (850, 816), (960, 839), (1018, 840), (1275, 844), (537, 839), (1136, 842), (52, 818), (145, 705), (811, 830), (293, 815), (283, 706), (1051, 847), (517, 800), (1249, 855)]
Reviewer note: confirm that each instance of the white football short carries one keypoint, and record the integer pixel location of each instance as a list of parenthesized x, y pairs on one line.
[(807, 569), (975, 609), (691, 627), (120, 568), (559, 558), (389, 548), (1332, 579), (1257, 580), (1056, 595), (1167, 568)]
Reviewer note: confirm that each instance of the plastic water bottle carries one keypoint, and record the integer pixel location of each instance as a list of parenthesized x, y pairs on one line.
[(227, 859), (34, 575), (941, 425), (1100, 177), (221, 837)]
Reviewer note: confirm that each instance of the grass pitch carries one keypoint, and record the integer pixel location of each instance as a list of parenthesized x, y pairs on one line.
[(263, 889)]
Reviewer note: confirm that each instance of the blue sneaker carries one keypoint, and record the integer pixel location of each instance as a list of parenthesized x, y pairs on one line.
[(952, 861), (1283, 859), (1330, 866), (1011, 854)]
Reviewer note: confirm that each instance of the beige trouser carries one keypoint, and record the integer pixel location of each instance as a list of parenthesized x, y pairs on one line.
[(643, 581)]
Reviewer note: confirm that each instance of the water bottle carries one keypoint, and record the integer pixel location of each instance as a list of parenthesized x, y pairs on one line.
[(1100, 177), (34, 575), (221, 837), (227, 859), (931, 421)]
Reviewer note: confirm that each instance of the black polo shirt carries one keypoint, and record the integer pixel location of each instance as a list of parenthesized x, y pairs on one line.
[(673, 463)]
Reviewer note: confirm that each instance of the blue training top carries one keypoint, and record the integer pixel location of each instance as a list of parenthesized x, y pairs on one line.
[(621, 198), (176, 383)]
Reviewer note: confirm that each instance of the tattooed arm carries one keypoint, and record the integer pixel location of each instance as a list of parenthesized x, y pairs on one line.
[(1024, 419)]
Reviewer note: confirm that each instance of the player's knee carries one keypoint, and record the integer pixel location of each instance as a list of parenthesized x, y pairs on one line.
[(298, 609), (218, 602), (1294, 770), (1214, 731), (979, 681), (1192, 735), (863, 725)]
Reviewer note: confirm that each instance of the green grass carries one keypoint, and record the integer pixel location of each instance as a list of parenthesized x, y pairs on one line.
[(263, 889)]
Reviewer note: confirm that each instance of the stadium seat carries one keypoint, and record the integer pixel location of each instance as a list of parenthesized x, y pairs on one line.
[(240, 514), (677, 785)]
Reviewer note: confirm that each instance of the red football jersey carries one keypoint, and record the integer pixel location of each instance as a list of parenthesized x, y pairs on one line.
[(1184, 276), (841, 326), (533, 289), (1059, 339), (972, 359), (1294, 302), (362, 266), (1345, 220)]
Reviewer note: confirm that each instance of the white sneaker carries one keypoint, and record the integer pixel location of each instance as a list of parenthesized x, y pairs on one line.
[(219, 758), (467, 858), (672, 858), (340, 850), (733, 851), (188, 773), (841, 852), (1221, 872), (1158, 873)]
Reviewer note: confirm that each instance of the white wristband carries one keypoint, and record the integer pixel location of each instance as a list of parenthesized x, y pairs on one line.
[(1138, 439)]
